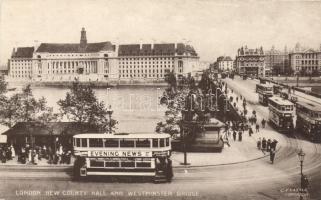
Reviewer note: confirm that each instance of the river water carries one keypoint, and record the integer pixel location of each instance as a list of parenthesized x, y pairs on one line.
[(136, 108)]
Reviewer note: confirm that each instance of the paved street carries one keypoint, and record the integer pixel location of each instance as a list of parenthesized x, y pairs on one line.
[(254, 179)]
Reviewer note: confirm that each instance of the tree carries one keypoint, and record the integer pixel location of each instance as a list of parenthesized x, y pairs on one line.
[(82, 106), (171, 79), (3, 85), (205, 83), (24, 107), (10, 110)]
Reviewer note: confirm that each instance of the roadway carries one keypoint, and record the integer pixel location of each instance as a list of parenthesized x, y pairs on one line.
[(257, 179)]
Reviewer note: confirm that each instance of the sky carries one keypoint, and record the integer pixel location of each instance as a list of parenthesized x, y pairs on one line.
[(213, 27)]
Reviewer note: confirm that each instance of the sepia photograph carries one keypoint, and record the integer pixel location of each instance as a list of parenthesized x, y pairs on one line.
[(160, 99)]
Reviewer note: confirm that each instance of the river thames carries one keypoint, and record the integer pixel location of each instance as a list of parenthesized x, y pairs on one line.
[(136, 108)]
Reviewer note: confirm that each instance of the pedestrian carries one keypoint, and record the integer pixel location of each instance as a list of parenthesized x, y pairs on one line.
[(263, 123), (242, 127), (272, 156), (257, 127), (237, 99), (36, 157), (240, 136), (250, 131), (273, 144), (234, 135), (29, 156), (258, 144), (268, 145), (263, 144), (13, 152)]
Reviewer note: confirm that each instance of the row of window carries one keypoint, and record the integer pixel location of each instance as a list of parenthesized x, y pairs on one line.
[(149, 58), (168, 62), (21, 76), (306, 68), (305, 62), (309, 55), (141, 67), (310, 113), (20, 72), (22, 64), (281, 107), (116, 143), (115, 164), (67, 55)]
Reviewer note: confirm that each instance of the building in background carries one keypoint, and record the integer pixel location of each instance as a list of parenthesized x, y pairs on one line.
[(225, 63), (277, 62), (305, 62), (3, 70), (250, 62), (21, 63), (102, 61)]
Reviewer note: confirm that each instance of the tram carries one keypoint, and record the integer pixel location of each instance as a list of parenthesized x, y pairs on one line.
[(281, 112), (139, 154), (265, 92), (309, 119)]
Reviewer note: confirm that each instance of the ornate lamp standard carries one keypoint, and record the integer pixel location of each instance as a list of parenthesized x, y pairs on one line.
[(301, 155), (187, 115), (110, 112)]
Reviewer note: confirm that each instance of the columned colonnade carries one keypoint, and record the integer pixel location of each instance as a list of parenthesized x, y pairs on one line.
[(71, 66)]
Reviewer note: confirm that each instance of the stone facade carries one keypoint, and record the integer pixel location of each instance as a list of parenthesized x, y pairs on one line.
[(250, 62), (277, 62), (305, 62), (101, 61), (225, 63)]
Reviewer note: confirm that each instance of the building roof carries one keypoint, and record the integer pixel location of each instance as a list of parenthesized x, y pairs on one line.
[(158, 49), (124, 135), (244, 51), (281, 101), (227, 58), (57, 128), (224, 58), (310, 105), (75, 47), (23, 52)]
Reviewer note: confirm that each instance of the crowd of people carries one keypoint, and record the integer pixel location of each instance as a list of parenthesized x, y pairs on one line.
[(248, 123), (7, 153), (33, 155), (267, 145)]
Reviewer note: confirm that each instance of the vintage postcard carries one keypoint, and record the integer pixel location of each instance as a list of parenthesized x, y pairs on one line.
[(168, 99)]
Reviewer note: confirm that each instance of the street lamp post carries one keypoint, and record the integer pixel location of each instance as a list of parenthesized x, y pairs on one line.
[(301, 155), (183, 136), (110, 112)]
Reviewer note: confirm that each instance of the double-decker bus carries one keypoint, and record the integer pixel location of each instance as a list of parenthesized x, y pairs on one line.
[(309, 119), (139, 154), (265, 92), (277, 89), (281, 112)]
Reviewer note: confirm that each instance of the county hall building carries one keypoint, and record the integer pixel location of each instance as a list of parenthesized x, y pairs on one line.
[(101, 61)]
